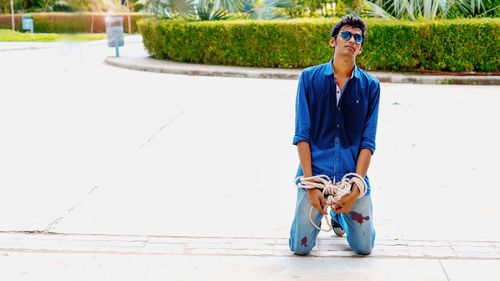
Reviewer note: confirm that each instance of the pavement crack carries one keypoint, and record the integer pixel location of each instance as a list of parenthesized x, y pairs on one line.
[(145, 242), (168, 123), (55, 222), (92, 190), (444, 270)]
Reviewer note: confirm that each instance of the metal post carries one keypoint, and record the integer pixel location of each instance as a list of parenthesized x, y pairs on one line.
[(128, 18), (12, 15)]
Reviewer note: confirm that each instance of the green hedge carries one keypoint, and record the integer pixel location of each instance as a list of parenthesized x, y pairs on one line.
[(69, 22), (446, 45)]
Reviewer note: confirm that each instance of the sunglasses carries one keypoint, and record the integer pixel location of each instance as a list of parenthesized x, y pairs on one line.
[(346, 35)]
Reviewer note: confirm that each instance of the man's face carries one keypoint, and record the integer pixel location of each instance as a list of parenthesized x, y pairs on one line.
[(346, 48)]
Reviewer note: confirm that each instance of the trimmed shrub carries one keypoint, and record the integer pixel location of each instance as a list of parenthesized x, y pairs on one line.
[(445, 45), (70, 22)]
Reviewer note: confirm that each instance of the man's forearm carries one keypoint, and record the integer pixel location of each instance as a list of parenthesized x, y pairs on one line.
[(364, 157), (362, 165), (305, 158)]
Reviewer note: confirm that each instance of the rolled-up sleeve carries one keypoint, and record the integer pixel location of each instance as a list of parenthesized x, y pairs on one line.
[(302, 117), (370, 129)]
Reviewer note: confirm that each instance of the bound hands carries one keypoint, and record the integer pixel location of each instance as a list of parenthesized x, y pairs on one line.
[(347, 201), (344, 205), (316, 199)]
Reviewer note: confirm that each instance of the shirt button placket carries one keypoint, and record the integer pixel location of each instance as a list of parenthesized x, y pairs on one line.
[(338, 147), (337, 158)]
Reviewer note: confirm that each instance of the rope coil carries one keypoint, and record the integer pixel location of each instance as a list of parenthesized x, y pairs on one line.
[(332, 191)]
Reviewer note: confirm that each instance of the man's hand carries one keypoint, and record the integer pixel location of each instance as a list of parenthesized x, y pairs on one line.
[(345, 203), (316, 199)]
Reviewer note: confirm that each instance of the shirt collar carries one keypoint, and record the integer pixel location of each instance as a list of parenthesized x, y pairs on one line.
[(329, 70)]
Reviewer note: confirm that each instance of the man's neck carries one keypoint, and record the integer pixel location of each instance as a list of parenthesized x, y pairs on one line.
[(343, 67)]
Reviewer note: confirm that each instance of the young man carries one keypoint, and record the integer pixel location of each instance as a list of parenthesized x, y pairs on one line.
[(336, 121)]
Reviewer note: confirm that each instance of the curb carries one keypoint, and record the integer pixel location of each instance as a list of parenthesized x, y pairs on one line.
[(160, 66), (170, 67)]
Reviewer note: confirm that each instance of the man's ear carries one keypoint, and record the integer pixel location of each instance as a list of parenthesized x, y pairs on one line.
[(332, 42)]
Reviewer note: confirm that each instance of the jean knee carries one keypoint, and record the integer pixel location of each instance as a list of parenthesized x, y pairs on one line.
[(362, 245), (302, 251), (302, 247), (363, 249)]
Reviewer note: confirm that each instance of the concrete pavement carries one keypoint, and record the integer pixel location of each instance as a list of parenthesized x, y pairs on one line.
[(114, 174), (40, 242), (39, 256), (189, 268)]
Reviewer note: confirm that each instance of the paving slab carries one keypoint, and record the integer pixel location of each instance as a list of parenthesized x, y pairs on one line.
[(106, 257), (230, 246), (29, 266), (464, 270)]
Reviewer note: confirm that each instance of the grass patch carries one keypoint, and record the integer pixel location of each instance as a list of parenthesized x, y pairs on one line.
[(7, 35)]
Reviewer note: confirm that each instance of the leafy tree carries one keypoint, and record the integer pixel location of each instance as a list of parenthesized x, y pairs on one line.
[(170, 8), (428, 9), (205, 10), (5, 6), (355, 6), (233, 6), (269, 9)]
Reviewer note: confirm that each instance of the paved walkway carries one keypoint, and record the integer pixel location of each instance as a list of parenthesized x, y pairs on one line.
[(39, 242), (90, 176), (52, 256)]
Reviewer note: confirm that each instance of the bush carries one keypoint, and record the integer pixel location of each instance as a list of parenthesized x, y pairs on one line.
[(445, 45), (69, 22)]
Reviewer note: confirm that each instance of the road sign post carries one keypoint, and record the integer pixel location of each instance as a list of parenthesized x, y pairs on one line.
[(114, 31)]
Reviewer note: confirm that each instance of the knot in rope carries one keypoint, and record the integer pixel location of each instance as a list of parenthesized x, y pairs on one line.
[(332, 192)]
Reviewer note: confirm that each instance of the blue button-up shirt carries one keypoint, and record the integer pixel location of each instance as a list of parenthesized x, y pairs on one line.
[(336, 133)]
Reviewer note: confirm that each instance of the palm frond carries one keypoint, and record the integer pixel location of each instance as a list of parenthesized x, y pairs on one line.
[(280, 3), (377, 11), (205, 10), (182, 8), (429, 9), (233, 6)]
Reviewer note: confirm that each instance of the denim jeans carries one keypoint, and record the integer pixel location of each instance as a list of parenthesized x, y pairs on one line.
[(357, 224)]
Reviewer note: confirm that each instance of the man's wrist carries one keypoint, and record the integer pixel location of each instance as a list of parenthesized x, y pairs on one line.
[(355, 190)]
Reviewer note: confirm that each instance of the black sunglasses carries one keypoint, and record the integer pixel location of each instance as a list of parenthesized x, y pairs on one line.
[(346, 35)]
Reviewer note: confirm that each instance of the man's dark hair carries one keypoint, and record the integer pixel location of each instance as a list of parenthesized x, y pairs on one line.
[(349, 20)]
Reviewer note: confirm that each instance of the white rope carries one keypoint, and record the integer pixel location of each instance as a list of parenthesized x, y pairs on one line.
[(332, 191)]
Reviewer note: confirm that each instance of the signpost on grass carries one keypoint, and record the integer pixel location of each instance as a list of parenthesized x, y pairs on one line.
[(27, 23)]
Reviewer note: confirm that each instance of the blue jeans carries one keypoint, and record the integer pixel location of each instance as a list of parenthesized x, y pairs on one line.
[(357, 224)]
